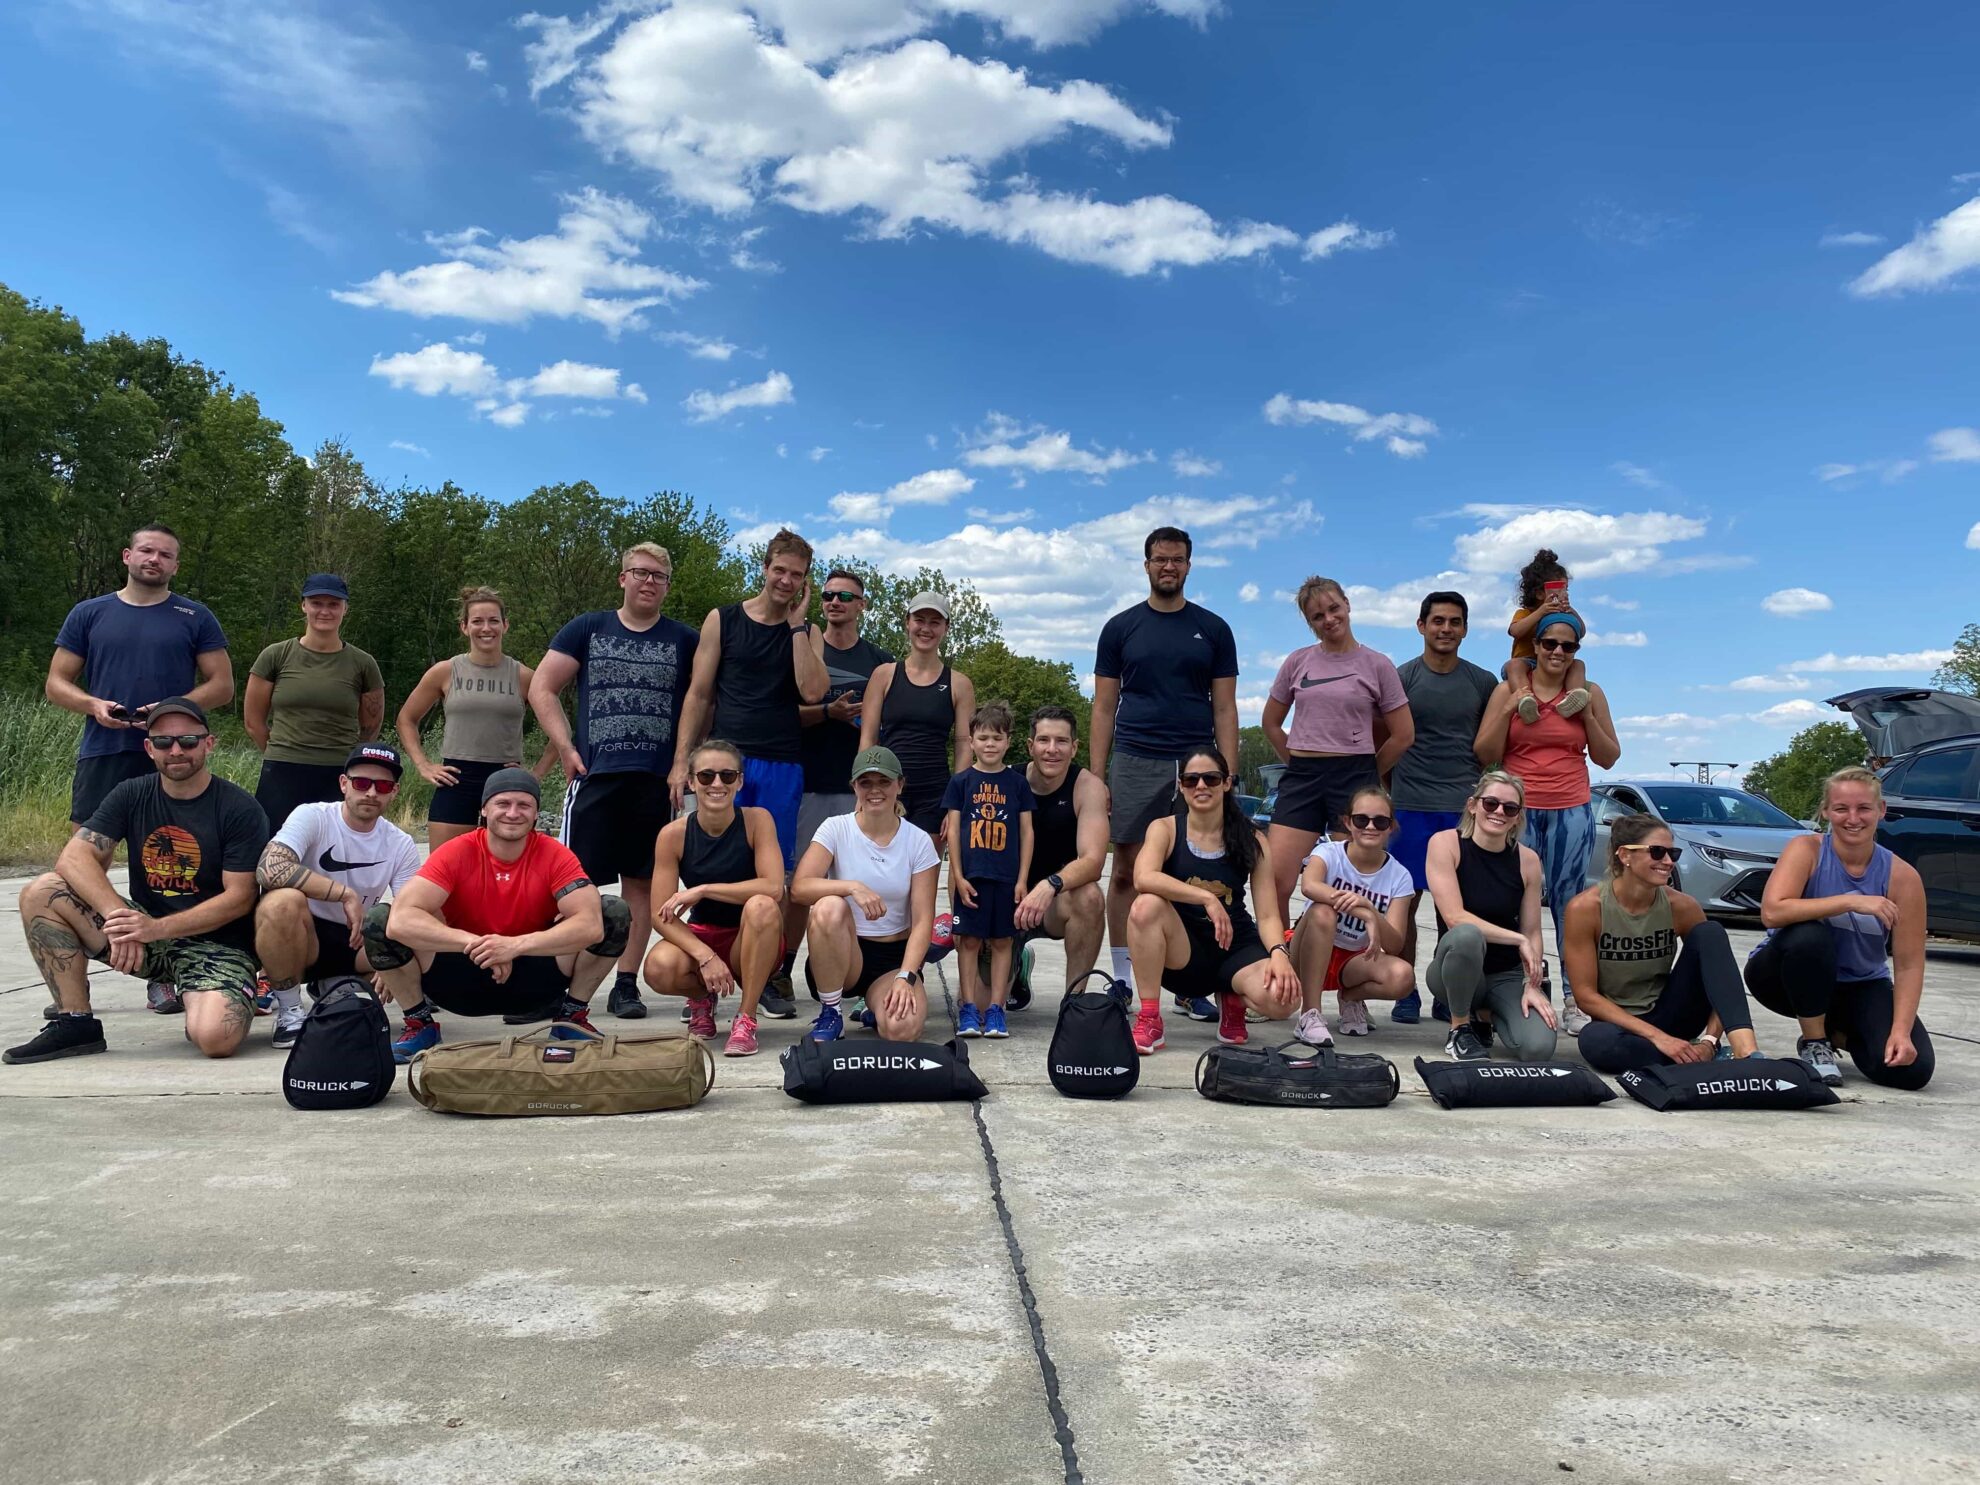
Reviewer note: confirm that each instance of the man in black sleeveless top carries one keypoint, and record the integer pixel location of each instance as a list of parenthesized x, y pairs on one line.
[(1068, 844), (758, 663)]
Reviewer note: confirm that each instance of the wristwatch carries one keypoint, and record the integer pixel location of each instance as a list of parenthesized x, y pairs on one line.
[(804, 628), (1056, 882), (912, 976), (1280, 948)]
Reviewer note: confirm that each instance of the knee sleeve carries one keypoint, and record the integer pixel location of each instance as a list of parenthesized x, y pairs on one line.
[(383, 952), (618, 929)]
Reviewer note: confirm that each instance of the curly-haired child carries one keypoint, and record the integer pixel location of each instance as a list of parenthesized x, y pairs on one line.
[(1543, 590)]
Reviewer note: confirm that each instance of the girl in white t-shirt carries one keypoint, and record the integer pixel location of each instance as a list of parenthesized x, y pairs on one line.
[(1350, 940), (869, 880)]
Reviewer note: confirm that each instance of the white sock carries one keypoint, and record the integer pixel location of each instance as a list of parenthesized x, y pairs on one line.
[(830, 997), (288, 1001), (1123, 966)]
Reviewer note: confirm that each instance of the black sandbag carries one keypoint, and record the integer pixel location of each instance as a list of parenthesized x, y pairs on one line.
[(1092, 1053), (1510, 1085), (1296, 1075), (879, 1072), (342, 1058), (1745, 1083)]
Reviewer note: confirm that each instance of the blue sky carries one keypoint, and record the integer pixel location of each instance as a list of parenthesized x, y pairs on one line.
[(1389, 293)]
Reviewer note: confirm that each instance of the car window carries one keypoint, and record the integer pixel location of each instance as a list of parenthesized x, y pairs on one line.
[(1946, 774), (1606, 809), (1630, 800), (1734, 807)]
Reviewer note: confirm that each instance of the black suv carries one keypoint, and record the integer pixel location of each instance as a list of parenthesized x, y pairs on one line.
[(1932, 820)]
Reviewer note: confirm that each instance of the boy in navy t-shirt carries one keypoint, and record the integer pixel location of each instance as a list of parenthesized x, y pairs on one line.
[(989, 809)]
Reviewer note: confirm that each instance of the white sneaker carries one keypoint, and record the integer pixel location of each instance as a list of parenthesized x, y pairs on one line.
[(1574, 1018), (288, 1026), (1311, 1028), (1354, 1016)]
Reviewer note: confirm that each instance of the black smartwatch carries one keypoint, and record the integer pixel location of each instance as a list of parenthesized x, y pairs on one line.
[(1056, 882), (804, 628)]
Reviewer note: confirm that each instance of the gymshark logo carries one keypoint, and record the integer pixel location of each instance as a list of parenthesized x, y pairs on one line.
[(1307, 681), (1087, 1072), (1525, 1072), (328, 862), (896, 1063), (308, 1086)]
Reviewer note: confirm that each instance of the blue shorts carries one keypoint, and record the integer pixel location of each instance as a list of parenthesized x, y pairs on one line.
[(1411, 842), (994, 915), (778, 788)]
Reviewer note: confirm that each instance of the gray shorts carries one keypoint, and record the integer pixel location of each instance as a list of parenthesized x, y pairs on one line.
[(1143, 789), (815, 809)]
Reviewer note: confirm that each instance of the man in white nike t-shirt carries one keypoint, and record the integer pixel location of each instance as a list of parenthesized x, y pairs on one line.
[(327, 867)]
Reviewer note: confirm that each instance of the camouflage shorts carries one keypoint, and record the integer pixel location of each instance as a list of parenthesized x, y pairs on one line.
[(190, 965)]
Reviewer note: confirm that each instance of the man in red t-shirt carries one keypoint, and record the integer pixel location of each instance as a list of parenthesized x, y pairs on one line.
[(502, 921)]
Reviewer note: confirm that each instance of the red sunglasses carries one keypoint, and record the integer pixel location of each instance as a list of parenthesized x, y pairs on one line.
[(383, 787)]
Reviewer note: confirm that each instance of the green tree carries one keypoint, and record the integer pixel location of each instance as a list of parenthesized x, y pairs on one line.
[(1962, 672), (1026, 683), (972, 622), (1793, 779)]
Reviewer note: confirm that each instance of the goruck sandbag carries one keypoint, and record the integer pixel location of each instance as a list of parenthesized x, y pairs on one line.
[(1745, 1083), (342, 1058), (1092, 1053), (1297, 1075), (534, 1076), (879, 1072), (1509, 1085)]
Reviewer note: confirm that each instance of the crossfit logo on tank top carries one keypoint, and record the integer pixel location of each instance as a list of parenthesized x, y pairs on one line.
[(1628, 947)]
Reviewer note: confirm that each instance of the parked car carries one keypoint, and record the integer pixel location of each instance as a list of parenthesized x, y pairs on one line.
[(1268, 776), (1896, 720), (1731, 839), (1932, 820), (1251, 804)]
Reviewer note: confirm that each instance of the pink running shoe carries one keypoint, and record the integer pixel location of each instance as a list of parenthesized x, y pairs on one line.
[(701, 1018), (742, 1036), (1148, 1035), (1354, 1016)]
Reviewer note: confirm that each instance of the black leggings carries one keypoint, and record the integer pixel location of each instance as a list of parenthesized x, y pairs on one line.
[(1704, 981), (1794, 974)]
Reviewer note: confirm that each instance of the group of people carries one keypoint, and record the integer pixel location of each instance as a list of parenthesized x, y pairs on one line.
[(763, 783)]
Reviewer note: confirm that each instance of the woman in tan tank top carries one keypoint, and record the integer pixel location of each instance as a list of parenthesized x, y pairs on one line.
[(485, 694)]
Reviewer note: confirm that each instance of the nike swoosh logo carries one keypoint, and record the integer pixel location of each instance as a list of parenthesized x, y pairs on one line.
[(328, 862), (1323, 680)]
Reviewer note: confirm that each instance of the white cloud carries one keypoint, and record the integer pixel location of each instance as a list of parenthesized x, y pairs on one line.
[(1765, 683), (783, 450), (1931, 260), (1589, 545), (1796, 603), (1188, 466), (702, 348), (476, 62), (444, 370), (410, 448), (588, 269), (1343, 237), (1248, 593), (1637, 475), (1902, 661), (1955, 446), (1889, 471), (773, 391), (1829, 473), (1627, 639), (1793, 713), (434, 369), (576, 379), (1851, 239), (1001, 518), (817, 453), (1621, 605), (1667, 722), (931, 487), (1973, 538), (996, 446), (1403, 434)]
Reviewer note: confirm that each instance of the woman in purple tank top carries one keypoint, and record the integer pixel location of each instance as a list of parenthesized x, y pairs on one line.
[(1845, 946)]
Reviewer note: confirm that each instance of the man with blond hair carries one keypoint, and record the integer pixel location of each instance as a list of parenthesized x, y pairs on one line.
[(631, 666)]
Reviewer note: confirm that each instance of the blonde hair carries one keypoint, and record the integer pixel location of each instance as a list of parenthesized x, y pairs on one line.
[(1856, 773), (1486, 779), (1388, 800), (472, 594), (1317, 585), (651, 549)]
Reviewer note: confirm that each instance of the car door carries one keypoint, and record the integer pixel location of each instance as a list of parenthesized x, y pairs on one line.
[(1607, 810), (1932, 820)]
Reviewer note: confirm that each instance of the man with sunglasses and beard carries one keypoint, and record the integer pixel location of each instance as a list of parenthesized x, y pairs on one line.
[(327, 867), (193, 841)]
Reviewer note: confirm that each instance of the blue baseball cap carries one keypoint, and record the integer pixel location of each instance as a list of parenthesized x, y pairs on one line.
[(325, 585)]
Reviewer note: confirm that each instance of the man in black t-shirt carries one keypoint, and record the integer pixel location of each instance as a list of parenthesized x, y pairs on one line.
[(193, 841)]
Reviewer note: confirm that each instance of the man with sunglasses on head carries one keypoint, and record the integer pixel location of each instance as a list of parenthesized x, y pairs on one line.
[(632, 667), (193, 841), (327, 867)]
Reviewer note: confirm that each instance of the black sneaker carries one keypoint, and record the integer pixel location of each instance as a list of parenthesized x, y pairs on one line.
[(624, 1001), (66, 1036), (1463, 1045), (529, 1018), (777, 1003), (1483, 1031)]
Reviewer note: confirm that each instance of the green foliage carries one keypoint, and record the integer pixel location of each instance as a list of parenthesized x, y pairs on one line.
[(1254, 756), (972, 624), (1793, 779), (1962, 672), (1026, 683)]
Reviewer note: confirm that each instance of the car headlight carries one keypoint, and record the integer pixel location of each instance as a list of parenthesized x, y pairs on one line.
[(1725, 859)]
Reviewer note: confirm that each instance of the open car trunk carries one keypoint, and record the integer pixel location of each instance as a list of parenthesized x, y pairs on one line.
[(1896, 719)]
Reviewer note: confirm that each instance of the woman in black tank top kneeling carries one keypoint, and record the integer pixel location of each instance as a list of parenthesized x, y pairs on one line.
[(1489, 963), (718, 895), (1189, 928)]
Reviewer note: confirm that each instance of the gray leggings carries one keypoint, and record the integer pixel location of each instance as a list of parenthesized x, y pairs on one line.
[(1457, 977)]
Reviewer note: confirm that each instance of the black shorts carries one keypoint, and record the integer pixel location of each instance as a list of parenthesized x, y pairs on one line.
[(611, 821), (459, 803), (1210, 969), (992, 917), (456, 983), (877, 957), (926, 811), (1314, 793), (96, 777), (283, 786), (334, 954)]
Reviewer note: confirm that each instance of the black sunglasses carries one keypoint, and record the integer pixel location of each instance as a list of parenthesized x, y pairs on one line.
[(710, 775), (1498, 806), (1200, 780), (836, 595), (1657, 853), (1371, 822), (1565, 646), (165, 742)]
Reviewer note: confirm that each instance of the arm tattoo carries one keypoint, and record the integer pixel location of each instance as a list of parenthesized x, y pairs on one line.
[(96, 841), (565, 891), (279, 867)]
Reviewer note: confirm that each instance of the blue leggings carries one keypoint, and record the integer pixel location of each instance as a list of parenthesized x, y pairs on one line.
[(1563, 839)]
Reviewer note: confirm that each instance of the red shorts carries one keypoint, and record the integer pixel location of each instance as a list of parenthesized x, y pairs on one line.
[(1336, 962), (723, 940)]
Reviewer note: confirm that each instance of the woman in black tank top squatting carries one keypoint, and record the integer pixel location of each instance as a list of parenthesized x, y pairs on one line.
[(1489, 966), (718, 895), (1189, 928), (915, 707)]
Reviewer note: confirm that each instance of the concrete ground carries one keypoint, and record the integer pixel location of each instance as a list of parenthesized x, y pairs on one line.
[(198, 1283)]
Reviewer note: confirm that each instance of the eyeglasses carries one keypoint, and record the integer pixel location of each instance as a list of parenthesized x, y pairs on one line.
[(1498, 806), (1371, 822), (835, 595), (647, 575), (165, 742), (1168, 561), (705, 776), (1565, 646), (1657, 853), (1200, 780), (384, 788)]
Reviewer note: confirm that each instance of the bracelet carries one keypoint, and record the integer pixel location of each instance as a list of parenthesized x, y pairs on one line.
[(1280, 948)]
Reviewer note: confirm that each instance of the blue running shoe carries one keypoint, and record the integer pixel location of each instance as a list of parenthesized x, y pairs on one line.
[(829, 1026), (1196, 1007), (968, 1021), (1723, 1052), (421, 1032), (1409, 1010), (867, 1019), (993, 1022), (1440, 1013), (579, 1017), (1123, 994)]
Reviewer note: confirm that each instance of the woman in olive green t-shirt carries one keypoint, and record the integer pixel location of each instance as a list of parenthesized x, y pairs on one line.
[(309, 702)]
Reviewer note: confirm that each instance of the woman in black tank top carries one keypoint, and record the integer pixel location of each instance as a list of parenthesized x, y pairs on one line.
[(718, 885), (1189, 929), (915, 706), (1488, 966)]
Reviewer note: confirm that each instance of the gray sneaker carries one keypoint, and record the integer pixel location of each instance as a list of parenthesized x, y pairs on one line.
[(288, 1026), (1820, 1059)]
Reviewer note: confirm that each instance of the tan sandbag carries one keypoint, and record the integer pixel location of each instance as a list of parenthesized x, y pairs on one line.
[(533, 1076)]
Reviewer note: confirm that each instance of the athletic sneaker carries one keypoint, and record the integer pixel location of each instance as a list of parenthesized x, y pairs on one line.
[(1528, 709), (828, 1025), (742, 1037), (1020, 996), (1463, 1044), (1123, 994), (1575, 701), (1196, 1007), (687, 1013), (1573, 1017), (288, 1026), (867, 1019), (421, 1032), (264, 998), (1724, 1051), (1820, 1057), (624, 1001), (993, 1023), (702, 1022), (1311, 1028), (1148, 1035), (968, 1021), (162, 996), (1230, 1020), (65, 1036), (576, 1018), (1407, 1011), (777, 1003), (1354, 1016)]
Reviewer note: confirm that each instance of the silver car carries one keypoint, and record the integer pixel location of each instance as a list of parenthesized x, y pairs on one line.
[(1731, 838)]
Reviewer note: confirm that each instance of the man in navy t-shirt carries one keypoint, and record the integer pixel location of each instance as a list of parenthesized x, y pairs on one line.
[(119, 653)]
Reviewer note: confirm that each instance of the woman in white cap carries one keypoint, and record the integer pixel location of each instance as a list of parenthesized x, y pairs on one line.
[(915, 707)]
